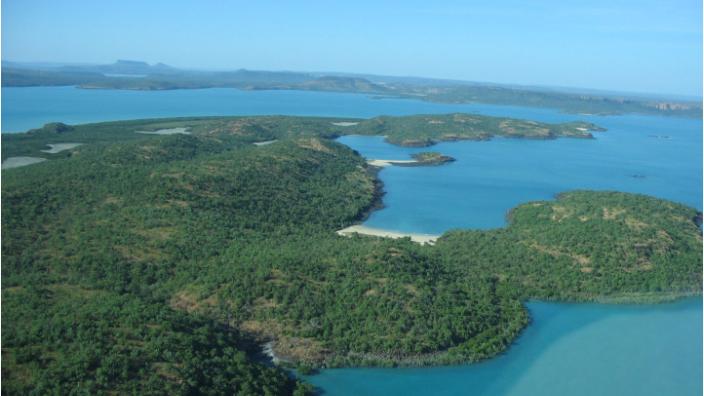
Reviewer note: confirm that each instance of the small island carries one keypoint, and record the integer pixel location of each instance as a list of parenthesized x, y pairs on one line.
[(419, 159), (430, 129), (427, 158)]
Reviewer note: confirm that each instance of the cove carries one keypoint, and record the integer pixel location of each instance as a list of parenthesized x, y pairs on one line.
[(656, 156), (569, 349)]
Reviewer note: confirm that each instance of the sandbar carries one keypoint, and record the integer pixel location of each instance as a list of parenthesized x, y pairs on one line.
[(264, 143), (382, 163)]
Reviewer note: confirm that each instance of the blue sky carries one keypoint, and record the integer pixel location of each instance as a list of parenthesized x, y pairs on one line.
[(640, 46)]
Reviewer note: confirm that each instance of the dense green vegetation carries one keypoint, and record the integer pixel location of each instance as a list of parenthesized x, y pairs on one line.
[(157, 264), (141, 76), (65, 339), (421, 130), (430, 158), (601, 104), (426, 130)]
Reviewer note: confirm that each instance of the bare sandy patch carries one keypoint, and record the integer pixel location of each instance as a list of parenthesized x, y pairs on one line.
[(264, 143), (559, 213), (635, 224), (313, 144), (580, 259), (612, 213), (169, 131), (364, 230), (345, 124), (16, 162), (59, 147)]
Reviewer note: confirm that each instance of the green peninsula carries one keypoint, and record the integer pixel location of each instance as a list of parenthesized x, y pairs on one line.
[(413, 131), (160, 263)]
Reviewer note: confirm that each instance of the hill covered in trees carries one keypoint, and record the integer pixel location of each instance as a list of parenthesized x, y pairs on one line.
[(417, 130), (158, 264)]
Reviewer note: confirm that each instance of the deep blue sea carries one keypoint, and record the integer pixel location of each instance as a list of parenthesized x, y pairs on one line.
[(569, 349)]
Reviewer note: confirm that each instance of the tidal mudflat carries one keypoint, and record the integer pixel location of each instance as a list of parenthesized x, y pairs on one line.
[(168, 131), (59, 147), (16, 162)]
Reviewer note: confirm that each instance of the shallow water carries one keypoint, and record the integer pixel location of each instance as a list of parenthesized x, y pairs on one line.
[(569, 349)]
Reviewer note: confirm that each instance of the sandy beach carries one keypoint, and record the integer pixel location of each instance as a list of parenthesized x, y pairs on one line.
[(360, 229), (382, 163), (345, 124)]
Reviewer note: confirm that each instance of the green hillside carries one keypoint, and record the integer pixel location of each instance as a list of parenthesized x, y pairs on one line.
[(158, 264)]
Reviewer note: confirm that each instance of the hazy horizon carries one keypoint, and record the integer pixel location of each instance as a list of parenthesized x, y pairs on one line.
[(557, 88), (645, 47)]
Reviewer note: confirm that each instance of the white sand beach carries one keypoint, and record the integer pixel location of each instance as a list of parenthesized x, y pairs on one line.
[(16, 162), (345, 124), (59, 147), (384, 163), (170, 131), (360, 229), (265, 142)]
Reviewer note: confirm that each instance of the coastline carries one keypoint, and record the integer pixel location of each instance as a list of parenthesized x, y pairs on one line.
[(383, 163), (364, 230)]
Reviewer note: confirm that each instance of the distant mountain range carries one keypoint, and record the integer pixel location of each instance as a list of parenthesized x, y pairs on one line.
[(138, 75)]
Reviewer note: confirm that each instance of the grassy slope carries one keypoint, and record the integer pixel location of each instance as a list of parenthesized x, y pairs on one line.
[(238, 241)]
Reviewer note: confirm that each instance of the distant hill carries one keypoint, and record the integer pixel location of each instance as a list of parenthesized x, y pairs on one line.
[(138, 75), (18, 77)]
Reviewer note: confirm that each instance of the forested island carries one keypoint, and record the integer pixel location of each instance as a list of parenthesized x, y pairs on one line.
[(136, 75), (430, 158), (160, 262)]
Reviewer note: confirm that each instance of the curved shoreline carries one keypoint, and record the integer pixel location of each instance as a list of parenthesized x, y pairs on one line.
[(383, 163), (364, 230)]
